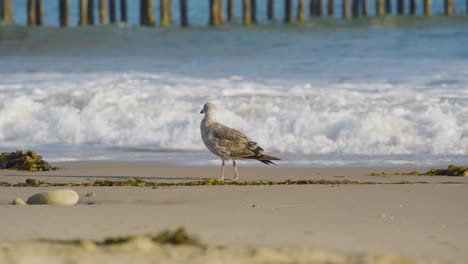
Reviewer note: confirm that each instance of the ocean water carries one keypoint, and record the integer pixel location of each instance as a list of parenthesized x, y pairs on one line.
[(386, 91)]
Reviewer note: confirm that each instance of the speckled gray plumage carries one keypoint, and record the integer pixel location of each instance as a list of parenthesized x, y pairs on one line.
[(225, 142), (228, 143)]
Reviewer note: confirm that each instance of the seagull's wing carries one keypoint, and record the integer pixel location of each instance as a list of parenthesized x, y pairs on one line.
[(234, 142)]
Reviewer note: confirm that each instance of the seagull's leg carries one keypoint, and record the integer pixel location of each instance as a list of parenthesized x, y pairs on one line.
[(235, 171), (222, 171)]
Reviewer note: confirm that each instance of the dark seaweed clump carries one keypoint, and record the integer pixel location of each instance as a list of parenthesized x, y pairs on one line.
[(167, 237), (451, 170), (176, 237), (24, 160), (205, 182)]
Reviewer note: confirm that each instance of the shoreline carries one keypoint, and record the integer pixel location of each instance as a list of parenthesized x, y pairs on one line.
[(79, 171), (410, 220)]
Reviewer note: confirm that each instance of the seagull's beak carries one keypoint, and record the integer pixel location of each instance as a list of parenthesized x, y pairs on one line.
[(202, 111)]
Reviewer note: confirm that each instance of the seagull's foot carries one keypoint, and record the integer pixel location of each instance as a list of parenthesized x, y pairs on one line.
[(221, 179), (235, 178)]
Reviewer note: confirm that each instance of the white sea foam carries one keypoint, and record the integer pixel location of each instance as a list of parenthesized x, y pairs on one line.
[(129, 109)]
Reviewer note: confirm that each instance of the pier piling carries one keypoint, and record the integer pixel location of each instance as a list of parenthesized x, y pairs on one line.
[(365, 8), (142, 12), (103, 15), (449, 6), (253, 11), (218, 13), (346, 12), (270, 10), (165, 12), (316, 8), (401, 7), (246, 12), (231, 11), (64, 10), (288, 11), (170, 11), (183, 13), (40, 12), (320, 11), (312, 6), (355, 4), (90, 12), (31, 12), (380, 7), (412, 7), (301, 13), (222, 17), (214, 13), (151, 19), (8, 11), (123, 11), (331, 8), (112, 11), (388, 6), (427, 7), (83, 7), (147, 13)]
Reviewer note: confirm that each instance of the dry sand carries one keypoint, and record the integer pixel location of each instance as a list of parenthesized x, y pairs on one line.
[(425, 221)]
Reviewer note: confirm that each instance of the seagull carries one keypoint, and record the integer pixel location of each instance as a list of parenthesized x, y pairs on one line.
[(228, 143)]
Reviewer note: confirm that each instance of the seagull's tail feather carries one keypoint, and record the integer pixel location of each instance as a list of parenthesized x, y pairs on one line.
[(266, 159), (267, 162)]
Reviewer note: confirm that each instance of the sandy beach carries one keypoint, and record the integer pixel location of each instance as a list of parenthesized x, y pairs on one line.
[(426, 218), (132, 101)]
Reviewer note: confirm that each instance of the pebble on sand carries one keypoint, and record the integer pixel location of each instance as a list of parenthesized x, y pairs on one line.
[(57, 197)]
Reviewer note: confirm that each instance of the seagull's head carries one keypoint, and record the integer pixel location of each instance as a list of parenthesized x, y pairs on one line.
[(208, 109)]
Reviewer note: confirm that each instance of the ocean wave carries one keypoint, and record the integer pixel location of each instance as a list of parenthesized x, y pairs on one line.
[(161, 111)]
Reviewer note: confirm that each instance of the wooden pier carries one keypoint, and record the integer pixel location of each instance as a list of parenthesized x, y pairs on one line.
[(219, 12)]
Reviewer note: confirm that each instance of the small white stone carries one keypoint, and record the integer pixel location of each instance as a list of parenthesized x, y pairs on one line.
[(19, 201), (57, 197)]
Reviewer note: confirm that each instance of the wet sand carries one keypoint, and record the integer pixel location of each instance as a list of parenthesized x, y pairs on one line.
[(421, 220)]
